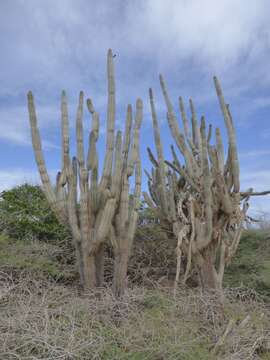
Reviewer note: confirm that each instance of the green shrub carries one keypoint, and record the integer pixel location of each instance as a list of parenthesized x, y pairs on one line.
[(251, 265), (25, 214)]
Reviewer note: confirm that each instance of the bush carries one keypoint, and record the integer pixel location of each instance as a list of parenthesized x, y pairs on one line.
[(25, 214), (251, 266)]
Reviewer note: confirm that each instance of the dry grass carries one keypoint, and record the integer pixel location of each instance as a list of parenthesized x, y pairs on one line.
[(42, 320)]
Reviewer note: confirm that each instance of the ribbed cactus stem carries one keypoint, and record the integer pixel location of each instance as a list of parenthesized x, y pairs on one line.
[(159, 148), (36, 141), (65, 132), (125, 219), (203, 194), (107, 167), (91, 212), (231, 135), (79, 131), (134, 152)]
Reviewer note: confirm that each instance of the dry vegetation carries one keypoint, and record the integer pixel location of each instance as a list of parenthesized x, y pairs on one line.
[(44, 320)]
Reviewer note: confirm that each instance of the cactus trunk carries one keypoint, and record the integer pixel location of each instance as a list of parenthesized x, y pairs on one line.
[(99, 262), (90, 272), (207, 273), (120, 272)]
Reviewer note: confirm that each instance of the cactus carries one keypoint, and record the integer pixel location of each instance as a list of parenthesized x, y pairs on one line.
[(199, 202), (84, 202), (125, 220)]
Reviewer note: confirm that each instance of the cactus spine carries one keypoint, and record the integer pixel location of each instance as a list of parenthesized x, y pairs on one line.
[(91, 212)]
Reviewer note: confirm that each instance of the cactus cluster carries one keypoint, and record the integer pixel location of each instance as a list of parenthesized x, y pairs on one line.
[(95, 208), (199, 201)]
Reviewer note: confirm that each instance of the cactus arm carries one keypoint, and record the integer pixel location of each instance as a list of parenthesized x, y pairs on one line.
[(135, 206), (65, 132), (186, 126), (36, 141), (92, 164), (176, 133), (124, 206), (79, 132), (172, 210), (159, 148), (195, 128), (209, 135), (72, 200), (220, 150), (184, 118), (136, 133), (148, 200), (107, 167), (104, 224), (116, 180), (95, 118), (231, 135), (206, 194), (92, 157), (126, 144), (83, 174)]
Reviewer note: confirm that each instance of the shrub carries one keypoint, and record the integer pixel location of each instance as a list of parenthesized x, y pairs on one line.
[(25, 214), (251, 265)]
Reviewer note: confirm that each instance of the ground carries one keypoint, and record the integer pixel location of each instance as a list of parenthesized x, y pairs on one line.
[(43, 315)]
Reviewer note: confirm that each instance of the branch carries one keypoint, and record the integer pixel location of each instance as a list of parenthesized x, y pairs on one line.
[(257, 193)]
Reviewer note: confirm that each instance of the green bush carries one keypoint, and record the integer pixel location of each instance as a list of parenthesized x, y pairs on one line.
[(250, 266), (25, 214)]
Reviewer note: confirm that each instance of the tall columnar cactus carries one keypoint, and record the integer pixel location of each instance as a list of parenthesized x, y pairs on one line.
[(127, 158), (200, 201), (83, 201)]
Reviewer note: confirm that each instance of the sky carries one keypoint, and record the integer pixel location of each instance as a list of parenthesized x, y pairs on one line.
[(50, 45)]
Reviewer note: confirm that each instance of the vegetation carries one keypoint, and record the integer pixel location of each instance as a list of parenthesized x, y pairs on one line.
[(106, 209), (67, 251), (41, 320), (44, 316), (199, 202), (25, 214), (250, 267)]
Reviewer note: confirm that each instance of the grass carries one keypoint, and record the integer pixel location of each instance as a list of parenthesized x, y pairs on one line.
[(251, 265), (34, 257), (43, 316)]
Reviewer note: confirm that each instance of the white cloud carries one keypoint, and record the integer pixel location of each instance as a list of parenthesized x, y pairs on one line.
[(15, 123), (255, 153), (64, 42), (14, 177)]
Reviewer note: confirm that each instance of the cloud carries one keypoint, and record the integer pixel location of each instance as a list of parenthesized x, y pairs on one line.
[(15, 124), (63, 43), (53, 45), (14, 177), (255, 153)]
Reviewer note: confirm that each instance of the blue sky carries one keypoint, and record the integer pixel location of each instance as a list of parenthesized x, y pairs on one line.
[(50, 45)]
